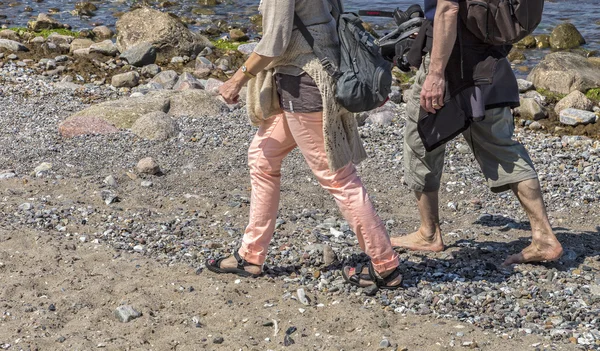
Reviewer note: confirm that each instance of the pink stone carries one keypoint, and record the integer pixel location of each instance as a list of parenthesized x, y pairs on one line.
[(85, 125)]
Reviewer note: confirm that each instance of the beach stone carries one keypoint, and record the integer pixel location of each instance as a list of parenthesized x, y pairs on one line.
[(526, 43), (535, 125), (140, 55), (106, 48), (103, 32), (82, 52), (247, 48), (542, 41), (126, 313), (212, 85), (204, 63), (12, 45), (167, 34), (155, 126), (128, 80), (38, 40), (85, 125), (124, 112), (9, 34), (383, 118), (238, 35), (42, 169), (575, 99), (565, 36), (195, 103), (531, 109), (564, 72), (78, 44), (329, 256), (44, 21), (516, 55), (575, 117), (147, 165), (524, 85), (151, 70), (61, 40), (85, 8), (167, 79), (187, 81)]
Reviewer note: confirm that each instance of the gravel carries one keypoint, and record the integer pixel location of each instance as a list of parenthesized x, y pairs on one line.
[(187, 217)]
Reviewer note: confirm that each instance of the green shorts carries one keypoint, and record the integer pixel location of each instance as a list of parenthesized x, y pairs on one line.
[(502, 160)]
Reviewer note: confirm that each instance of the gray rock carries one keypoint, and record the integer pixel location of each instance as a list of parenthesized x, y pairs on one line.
[(78, 44), (44, 21), (12, 45), (7, 174), (212, 85), (42, 169), (187, 81), (124, 112), (148, 166), (60, 39), (535, 125), (109, 196), (531, 109), (140, 55), (302, 297), (204, 63), (384, 344), (177, 59), (329, 256), (9, 34), (167, 34), (575, 99), (195, 103), (524, 85), (106, 48), (151, 70), (564, 72), (247, 48), (38, 40), (111, 181), (574, 117), (166, 78), (103, 32), (128, 80), (146, 184), (26, 206), (155, 126), (126, 313)]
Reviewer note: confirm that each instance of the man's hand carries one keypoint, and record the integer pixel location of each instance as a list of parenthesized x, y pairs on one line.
[(230, 91), (432, 93)]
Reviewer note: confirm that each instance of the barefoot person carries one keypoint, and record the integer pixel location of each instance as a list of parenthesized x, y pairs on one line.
[(290, 98), (504, 162)]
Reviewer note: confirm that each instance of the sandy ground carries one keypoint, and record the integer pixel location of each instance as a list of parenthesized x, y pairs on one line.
[(60, 293)]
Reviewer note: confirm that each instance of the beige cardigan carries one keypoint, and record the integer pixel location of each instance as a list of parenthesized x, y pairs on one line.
[(340, 130)]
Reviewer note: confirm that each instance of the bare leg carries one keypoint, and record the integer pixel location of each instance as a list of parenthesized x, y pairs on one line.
[(544, 245), (429, 235)]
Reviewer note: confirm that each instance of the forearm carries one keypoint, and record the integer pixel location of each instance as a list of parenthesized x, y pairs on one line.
[(444, 36), (254, 64)]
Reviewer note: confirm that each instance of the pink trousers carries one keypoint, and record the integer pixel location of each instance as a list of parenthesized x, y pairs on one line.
[(275, 138)]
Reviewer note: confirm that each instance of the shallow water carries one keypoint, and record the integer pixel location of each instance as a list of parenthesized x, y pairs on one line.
[(584, 14)]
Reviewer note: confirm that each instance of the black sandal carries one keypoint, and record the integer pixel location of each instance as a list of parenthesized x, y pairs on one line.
[(214, 265), (378, 282)]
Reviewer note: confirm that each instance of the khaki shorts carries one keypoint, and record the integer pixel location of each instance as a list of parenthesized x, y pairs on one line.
[(502, 160)]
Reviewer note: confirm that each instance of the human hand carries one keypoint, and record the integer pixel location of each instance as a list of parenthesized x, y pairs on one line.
[(230, 91), (432, 93)]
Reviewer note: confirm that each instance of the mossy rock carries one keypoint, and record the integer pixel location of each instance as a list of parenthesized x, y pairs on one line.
[(542, 41), (516, 55), (526, 43), (565, 36), (203, 12)]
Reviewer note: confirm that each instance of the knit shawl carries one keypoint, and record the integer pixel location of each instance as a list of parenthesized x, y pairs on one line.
[(340, 130)]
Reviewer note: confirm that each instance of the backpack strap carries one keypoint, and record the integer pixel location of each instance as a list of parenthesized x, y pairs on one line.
[(329, 66)]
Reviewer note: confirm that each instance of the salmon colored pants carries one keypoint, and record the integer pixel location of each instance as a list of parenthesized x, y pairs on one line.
[(275, 138)]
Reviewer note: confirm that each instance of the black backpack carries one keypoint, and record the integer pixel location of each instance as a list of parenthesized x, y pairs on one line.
[(364, 77), (501, 22)]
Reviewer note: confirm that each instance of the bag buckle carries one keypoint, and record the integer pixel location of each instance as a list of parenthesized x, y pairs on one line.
[(330, 68)]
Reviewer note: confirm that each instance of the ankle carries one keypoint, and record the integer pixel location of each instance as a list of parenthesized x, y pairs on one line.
[(429, 234)]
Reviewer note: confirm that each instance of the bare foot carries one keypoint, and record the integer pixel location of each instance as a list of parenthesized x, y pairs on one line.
[(538, 251), (231, 262), (418, 241), (365, 278)]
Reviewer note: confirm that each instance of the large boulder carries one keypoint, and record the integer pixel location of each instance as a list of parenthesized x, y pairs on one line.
[(124, 112), (85, 125), (195, 103), (564, 72), (576, 100), (565, 36), (167, 34)]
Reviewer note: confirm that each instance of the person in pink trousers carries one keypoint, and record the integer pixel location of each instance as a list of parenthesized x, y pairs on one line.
[(290, 97)]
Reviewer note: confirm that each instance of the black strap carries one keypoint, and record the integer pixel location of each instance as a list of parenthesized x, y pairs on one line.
[(305, 33), (382, 282)]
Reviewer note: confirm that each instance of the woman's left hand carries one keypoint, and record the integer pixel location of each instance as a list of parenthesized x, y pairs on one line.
[(230, 91)]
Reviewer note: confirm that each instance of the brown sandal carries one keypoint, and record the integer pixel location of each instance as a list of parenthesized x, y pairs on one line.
[(214, 265)]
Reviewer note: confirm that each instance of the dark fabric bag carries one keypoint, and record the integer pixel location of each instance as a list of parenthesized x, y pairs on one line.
[(501, 22), (364, 77), (437, 129)]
